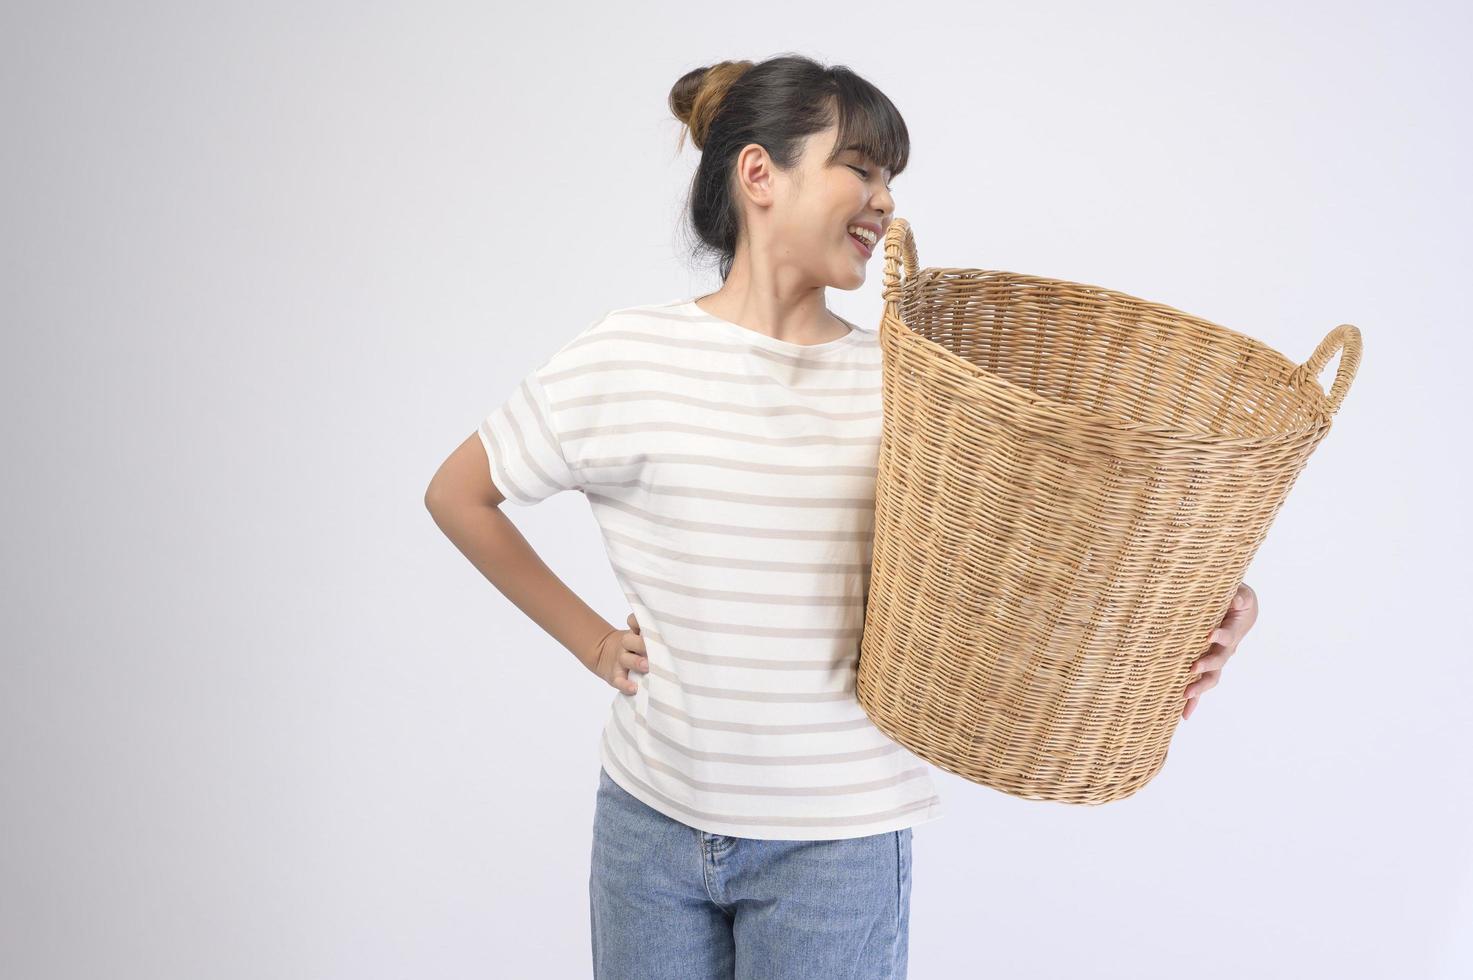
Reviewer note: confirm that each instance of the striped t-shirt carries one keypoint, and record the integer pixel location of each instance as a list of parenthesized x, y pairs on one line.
[(733, 478)]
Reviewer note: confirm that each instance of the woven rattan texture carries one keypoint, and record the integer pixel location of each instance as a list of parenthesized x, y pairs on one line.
[(1072, 482)]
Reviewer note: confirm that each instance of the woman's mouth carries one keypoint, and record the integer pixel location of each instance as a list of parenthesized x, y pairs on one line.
[(860, 243)]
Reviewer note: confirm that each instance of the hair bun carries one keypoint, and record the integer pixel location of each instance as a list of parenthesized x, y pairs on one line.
[(696, 98)]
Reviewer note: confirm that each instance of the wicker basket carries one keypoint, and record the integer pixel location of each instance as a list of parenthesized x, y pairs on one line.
[(1072, 482)]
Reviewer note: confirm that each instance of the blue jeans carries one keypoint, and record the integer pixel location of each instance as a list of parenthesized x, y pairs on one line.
[(669, 901)]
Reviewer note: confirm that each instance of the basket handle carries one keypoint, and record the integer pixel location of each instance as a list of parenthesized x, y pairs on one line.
[(1345, 337), (900, 244)]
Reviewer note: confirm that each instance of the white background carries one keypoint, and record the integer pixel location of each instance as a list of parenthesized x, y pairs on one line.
[(266, 264)]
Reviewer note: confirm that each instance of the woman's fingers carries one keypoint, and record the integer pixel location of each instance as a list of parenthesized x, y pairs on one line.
[(632, 657), (1206, 681), (621, 675), (628, 662)]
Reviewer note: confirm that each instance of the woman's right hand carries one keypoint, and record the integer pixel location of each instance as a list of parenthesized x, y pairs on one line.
[(622, 651)]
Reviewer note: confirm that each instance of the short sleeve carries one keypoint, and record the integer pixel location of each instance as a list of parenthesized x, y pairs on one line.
[(523, 445)]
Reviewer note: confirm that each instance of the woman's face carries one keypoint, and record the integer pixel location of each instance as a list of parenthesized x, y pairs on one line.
[(814, 208)]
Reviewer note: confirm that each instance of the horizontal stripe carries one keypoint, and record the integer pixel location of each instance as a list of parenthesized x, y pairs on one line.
[(581, 372), (727, 463), (726, 407), (785, 501), (722, 561), (740, 530), (647, 428), (624, 337), (757, 789), (753, 629), (845, 693), (690, 814), (626, 706), (731, 595), (828, 663), (774, 820), (862, 723), (699, 319)]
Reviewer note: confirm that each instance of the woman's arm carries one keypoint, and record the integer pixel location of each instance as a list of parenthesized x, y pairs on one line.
[(466, 505)]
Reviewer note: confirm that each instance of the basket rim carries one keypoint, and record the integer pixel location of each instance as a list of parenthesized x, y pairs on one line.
[(1320, 418), (1033, 279)]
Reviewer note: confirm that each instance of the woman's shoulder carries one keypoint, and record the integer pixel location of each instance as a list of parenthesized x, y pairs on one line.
[(633, 327), (661, 310), (619, 332)]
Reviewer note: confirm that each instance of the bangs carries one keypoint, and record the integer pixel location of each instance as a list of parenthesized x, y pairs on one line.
[(870, 123)]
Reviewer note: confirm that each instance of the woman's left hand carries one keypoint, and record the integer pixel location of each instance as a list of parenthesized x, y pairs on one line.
[(1225, 638)]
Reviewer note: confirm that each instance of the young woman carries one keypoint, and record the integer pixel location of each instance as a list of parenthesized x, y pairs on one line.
[(750, 819)]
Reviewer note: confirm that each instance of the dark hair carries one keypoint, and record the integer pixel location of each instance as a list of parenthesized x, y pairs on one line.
[(778, 104)]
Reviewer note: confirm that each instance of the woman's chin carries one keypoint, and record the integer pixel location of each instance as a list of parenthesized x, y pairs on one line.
[(852, 277)]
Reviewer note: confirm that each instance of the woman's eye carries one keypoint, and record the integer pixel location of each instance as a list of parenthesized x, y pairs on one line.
[(862, 172)]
